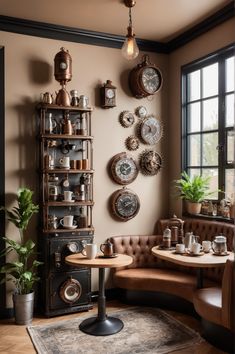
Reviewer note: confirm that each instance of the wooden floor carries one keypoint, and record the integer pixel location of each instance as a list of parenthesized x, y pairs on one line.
[(15, 339)]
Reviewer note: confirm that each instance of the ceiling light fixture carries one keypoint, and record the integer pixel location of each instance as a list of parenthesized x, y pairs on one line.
[(130, 49)]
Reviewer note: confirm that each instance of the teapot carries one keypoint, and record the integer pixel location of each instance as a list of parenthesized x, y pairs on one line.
[(189, 239), (219, 245), (62, 97), (107, 248)]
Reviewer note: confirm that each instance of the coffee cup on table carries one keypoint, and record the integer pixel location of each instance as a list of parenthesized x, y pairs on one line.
[(195, 248), (206, 246), (90, 250), (180, 248)]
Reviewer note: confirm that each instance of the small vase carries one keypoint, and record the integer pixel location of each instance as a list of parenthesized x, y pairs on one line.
[(193, 208), (23, 308)]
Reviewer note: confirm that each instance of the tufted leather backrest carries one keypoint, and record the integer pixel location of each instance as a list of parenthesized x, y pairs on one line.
[(139, 247)]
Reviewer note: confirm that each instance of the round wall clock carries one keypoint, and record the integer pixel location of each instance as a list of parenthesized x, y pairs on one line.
[(150, 130), (145, 79), (150, 162), (141, 112), (125, 204), (132, 143), (123, 168), (70, 291), (127, 119)]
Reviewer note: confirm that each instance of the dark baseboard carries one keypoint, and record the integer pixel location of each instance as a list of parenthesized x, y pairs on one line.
[(219, 336), (6, 313)]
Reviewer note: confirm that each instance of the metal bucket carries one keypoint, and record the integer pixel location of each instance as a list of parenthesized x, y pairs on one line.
[(23, 308)]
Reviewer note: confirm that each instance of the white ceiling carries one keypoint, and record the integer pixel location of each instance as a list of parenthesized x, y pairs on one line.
[(158, 20)]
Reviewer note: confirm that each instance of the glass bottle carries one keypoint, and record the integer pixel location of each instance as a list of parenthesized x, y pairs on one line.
[(74, 98), (82, 219), (166, 238)]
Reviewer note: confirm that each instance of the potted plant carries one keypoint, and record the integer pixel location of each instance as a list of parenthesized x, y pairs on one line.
[(23, 270), (193, 190)]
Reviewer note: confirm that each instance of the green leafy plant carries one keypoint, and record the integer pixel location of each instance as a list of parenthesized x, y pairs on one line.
[(194, 189), (22, 271)]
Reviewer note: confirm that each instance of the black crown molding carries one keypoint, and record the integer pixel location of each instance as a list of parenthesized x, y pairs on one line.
[(70, 34)]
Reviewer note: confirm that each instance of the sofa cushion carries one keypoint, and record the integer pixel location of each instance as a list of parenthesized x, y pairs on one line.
[(162, 280), (208, 304)]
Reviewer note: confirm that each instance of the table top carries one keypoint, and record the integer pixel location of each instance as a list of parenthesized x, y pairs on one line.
[(204, 260), (99, 262)]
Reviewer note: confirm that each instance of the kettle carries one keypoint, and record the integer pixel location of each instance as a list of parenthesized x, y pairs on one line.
[(107, 248), (190, 238), (47, 98), (219, 245), (62, 97)]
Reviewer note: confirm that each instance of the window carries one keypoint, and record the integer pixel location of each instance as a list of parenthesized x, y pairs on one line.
[(208, 136)]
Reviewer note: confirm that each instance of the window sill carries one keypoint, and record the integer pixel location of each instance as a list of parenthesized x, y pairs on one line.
[(210, 217)]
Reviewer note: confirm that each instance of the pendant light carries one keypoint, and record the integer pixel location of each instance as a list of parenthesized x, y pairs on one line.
[(130, 49)]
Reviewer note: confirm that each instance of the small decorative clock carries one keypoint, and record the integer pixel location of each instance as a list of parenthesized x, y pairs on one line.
[(123, 168), (145, 79), (150, 162), (141, 112), (150, 130), (124, 204), (108, 95), (132, 143), (126, 119)]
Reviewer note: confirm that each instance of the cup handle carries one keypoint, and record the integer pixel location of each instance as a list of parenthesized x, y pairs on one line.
[(101, 247), (62, 222), (84, 252)]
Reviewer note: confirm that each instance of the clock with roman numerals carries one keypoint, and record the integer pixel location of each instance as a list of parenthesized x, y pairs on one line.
[(123, 168)]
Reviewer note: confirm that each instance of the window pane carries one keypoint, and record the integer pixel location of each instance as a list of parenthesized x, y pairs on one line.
[(229, 110), (210, 80), (194, 85), (209, 151), (210, 114), (194, 172), (229, 74), (194, 117), (230, 147), (230, 182), (214, 181), (194, 150)]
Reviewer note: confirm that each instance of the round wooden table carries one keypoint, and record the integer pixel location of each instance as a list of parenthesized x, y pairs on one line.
[(102, 325), (204, 260)]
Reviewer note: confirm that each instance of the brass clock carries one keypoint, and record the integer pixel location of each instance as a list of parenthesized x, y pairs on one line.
[(108, 95), (150, 162), (145, 79), (150, 130), (126, 119), (123, 168), (124, 204)]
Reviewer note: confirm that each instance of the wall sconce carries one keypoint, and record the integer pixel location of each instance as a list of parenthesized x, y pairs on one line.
[(130, 49)]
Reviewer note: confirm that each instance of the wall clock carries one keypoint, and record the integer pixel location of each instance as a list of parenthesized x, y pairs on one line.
[(150, 162), (150, 130), (141, 112), (108, 95), (127, 119), (132, 143), (123, 168), (124, 204), (145, 79)]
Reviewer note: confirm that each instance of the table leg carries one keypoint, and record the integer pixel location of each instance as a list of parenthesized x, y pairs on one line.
[(102, 325), (199, 278)]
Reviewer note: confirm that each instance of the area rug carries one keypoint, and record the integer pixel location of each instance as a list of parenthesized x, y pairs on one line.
[(146, 330)]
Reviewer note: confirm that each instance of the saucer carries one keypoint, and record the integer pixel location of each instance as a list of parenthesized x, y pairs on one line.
[(70, 227), (221, 254), (69, 201), (114, 255), (191, 254), (177, 252)]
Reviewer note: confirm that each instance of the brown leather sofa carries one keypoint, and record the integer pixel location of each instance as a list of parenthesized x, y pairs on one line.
[(149, 273)]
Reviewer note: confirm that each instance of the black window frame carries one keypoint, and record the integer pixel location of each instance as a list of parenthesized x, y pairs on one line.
[(219, 57)]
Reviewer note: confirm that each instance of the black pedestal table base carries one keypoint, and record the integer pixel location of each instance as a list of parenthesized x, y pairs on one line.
[(102, 325)]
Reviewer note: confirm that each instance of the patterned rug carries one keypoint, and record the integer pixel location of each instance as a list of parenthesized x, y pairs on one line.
[(146, 330)]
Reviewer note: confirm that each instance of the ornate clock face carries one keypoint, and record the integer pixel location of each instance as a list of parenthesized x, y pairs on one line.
[(70, 291), (127, 119), (151, 80), (141, 112), (132, 143), (125, 204), (123, 168), (150, 162), (151, 130), (110, 93)]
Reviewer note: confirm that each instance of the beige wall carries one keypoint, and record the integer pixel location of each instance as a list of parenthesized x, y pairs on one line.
[(28, 72), (213, 40)]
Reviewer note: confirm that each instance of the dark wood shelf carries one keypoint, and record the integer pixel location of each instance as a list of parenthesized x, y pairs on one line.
[(66, 136), (56, 231), (63, 170), (47, 106), (63, 203)]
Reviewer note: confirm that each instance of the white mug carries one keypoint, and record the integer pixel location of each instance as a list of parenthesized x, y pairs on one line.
[(180, 248), (68, 196), (90, 250), (65, 162), (195, 248), (67, 221), (206, 246)]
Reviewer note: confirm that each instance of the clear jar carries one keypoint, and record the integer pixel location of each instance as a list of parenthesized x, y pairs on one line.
[(82, 219), (166, 240), (53, 188), (74, 98)]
